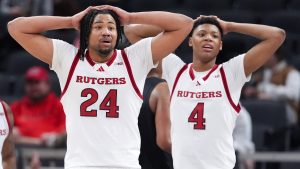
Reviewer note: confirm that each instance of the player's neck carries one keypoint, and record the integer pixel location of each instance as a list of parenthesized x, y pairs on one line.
[(199, 66), (98, 58)]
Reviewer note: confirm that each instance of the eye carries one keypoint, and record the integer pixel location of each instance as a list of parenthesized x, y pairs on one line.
[(97, 27), (111, 28), (201, 34), (216, 36)]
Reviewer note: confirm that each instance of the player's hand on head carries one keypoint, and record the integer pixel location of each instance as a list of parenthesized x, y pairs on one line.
[(223, 23), (124, 16), (77, 17)]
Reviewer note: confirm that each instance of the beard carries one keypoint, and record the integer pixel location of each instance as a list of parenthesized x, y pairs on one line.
[(104, 52)]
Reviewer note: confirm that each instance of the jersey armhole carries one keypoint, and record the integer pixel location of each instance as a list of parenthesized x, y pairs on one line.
[(128, 68), (71, 72), (237, 107), (177, 78)]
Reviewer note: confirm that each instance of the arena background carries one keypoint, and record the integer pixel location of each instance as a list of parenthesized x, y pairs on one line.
[(277, 142)]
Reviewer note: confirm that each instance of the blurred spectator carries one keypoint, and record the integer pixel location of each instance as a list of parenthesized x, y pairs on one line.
[(242, 139), (278, 81), (39, 115), (281, 81)]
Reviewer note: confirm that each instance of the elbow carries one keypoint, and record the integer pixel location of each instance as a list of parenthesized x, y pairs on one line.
[(164, 144), (280, 35), (13, 25)]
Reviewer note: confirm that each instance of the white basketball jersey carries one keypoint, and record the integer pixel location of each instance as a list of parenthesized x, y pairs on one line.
[(102, 102), (4, 129), (203, 117)]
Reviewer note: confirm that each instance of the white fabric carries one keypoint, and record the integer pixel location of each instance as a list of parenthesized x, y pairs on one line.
[(212, 147), (4, 130), (102, 142), (291, 89), (242, 133)]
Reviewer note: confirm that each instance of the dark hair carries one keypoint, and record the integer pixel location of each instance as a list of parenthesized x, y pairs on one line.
[(86, 24), (206, 20)]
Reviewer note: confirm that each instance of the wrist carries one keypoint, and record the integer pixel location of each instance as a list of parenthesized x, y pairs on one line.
[(131, 18)]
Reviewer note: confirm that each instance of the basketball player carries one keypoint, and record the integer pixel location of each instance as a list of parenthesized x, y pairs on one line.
[(154, 118), (205, 96), (102, 86), (8, 159), (154, 124)]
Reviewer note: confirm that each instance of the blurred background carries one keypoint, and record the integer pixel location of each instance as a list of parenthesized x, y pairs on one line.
[(267, 134)]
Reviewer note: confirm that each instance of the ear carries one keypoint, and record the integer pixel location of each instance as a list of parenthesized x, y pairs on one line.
[(221, 45), (190, 42)]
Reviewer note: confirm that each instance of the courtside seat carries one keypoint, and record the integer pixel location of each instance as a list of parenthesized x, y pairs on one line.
[(271, 115)]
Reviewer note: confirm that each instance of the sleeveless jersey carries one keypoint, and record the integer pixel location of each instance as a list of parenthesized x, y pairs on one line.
[(102, 103), (203, 116), (4, 129), (151, 156)]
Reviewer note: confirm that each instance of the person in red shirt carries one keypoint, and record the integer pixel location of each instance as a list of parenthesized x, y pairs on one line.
[(39, 115)]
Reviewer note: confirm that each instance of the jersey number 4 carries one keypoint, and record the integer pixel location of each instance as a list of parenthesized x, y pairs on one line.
[(109, 103), (197, 117)]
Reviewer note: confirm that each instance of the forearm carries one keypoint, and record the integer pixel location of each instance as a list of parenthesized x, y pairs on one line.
[(262, 32), (165, 20), (39, 24), (9, 163)]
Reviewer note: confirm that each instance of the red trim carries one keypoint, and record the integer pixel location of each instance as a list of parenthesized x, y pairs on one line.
[(108, 63), (237, 107), (191, 72), (6, 116), (177, 78), (210, 72), (71, 72), (128, 67), (192, 75), (112, 58)]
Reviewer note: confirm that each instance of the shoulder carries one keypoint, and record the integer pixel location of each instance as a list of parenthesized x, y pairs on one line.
[(161, 89), (146, 42)]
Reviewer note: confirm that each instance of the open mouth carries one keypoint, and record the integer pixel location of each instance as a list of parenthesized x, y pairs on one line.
[(207, 47)]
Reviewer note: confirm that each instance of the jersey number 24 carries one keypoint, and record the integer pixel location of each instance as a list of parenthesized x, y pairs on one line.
[(109, 103)]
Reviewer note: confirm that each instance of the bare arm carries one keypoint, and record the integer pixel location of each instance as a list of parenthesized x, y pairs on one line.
[(27, 31), (136, 32), (160, 104), (175, 27), (271, 39), (8, 151)]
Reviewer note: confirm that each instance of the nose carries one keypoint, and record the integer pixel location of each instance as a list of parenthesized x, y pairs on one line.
[(106, 32), (208, 37)]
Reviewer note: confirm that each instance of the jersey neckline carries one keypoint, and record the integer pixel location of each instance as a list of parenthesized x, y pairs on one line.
[(108, 63), (192, 74)]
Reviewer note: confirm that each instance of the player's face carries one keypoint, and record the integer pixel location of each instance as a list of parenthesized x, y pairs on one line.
[(206, 42), (103, 35)]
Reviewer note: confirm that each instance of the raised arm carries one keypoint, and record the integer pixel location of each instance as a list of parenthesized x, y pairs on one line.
[(175, 27), (8, 151), (136, 32), (27, 31), (271, 39)]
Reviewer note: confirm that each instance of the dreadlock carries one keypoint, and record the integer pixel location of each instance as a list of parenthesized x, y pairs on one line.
[(85, 28)]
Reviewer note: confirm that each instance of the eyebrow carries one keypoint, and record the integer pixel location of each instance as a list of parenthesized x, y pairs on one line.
[(206, 31), (111, 22)]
